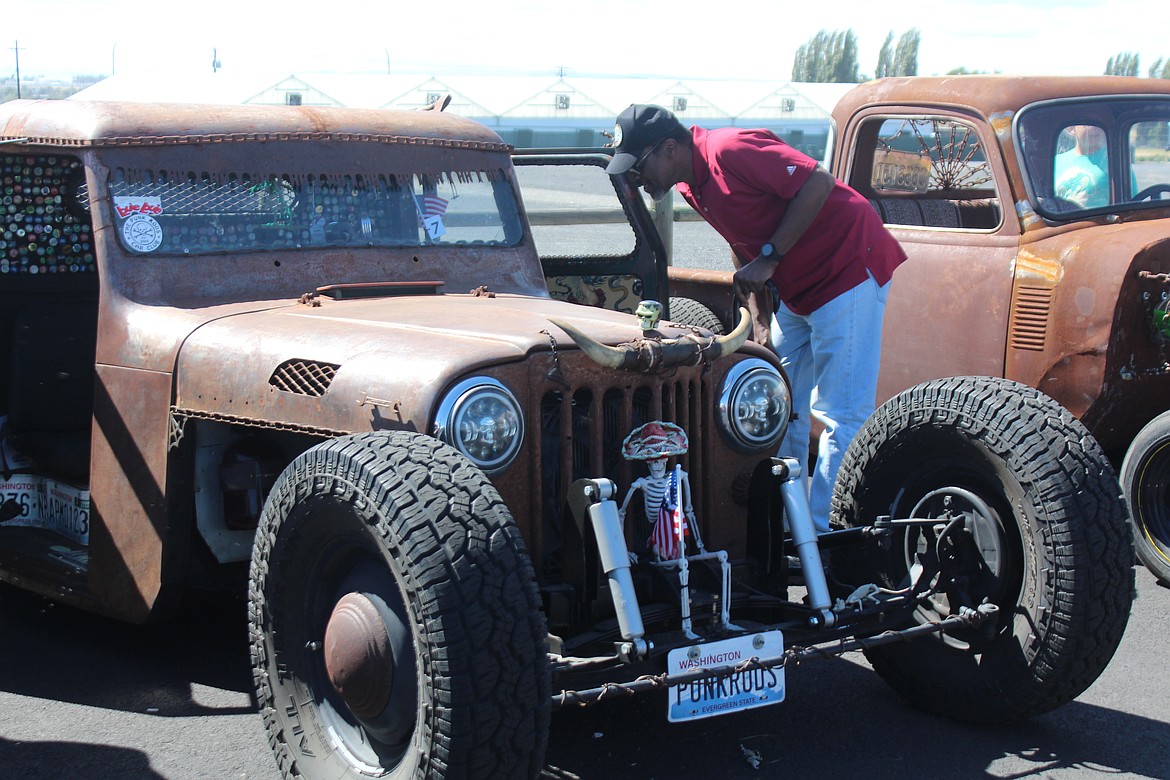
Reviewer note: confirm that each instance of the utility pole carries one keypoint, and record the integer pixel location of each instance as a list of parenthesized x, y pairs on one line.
[(16, 50)]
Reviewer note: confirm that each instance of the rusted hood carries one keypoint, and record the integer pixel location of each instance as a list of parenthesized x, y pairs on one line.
[(463, 330), (403, 350)]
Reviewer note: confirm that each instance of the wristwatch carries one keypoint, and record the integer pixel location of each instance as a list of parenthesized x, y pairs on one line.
[(768, 251)]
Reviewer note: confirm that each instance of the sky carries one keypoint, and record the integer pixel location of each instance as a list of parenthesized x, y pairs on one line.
[(667, 38)]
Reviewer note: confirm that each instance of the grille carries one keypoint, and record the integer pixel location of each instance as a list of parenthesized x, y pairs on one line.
[(1030, 318), (581, 433), (303, 377)]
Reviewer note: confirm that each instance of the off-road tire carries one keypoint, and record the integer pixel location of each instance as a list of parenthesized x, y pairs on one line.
[(1145, 479), (410, 521), (688, 311), (1058, 549)]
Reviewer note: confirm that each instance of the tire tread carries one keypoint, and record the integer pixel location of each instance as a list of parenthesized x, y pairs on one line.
[(1083, 547), (483, 636)]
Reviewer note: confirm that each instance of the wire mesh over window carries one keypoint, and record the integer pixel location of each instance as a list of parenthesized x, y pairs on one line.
[(929, 154), (176, 212)]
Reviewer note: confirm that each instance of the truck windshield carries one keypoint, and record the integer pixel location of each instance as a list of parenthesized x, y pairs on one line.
[(1096, 154), (358, 196)]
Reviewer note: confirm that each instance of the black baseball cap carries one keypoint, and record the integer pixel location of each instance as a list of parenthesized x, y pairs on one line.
[(638, 128)]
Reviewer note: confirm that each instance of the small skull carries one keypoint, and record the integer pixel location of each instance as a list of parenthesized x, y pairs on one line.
[(649, 312)]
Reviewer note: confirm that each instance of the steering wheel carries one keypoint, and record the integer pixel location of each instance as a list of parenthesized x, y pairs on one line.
[(1151, 192)]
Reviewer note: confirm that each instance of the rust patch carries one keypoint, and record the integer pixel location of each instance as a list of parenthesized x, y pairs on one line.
[(1001, 122), (1035, 268)]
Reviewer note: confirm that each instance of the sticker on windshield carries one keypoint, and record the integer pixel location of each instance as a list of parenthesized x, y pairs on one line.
[(431, 209), (128, 205), (142, 233)]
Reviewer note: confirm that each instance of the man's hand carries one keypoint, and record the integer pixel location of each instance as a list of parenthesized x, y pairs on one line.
[(753, 277)]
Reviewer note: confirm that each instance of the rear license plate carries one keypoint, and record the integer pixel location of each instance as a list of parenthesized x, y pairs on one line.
[(705, 698)]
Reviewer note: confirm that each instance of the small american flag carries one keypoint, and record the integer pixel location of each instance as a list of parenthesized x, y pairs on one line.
[(432, 205), (431, 209), (670, 530)]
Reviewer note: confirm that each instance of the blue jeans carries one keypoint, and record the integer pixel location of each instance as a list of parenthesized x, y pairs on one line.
[(832, 358)]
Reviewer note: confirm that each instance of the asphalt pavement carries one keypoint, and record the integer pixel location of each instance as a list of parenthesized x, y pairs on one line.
[(83, 697)]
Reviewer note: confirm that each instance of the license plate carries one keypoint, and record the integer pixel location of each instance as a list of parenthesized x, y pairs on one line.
[(41, 502), (705, 698), (900, 171)]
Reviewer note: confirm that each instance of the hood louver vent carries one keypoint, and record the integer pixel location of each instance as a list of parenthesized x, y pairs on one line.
[(303, 377), (1030, 313)]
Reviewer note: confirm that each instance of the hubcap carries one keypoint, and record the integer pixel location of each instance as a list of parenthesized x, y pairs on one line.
[(358, 655)]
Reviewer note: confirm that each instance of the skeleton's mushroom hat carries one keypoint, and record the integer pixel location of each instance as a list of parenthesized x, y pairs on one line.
[(655, 440)]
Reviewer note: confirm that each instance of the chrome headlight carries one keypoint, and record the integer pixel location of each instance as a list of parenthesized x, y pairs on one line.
[(755, 406), (482, 419)]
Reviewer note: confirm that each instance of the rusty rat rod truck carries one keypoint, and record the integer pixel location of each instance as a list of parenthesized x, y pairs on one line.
[(313, 353), (1036, 216)]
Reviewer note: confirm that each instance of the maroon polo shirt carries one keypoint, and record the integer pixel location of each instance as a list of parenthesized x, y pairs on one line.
[(745, 180)]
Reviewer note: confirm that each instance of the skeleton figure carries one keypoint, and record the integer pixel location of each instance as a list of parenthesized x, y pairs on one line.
[(662, 493), (667, 498), (649, 312)]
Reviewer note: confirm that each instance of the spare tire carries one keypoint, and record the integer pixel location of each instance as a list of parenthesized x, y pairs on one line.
[(688, 311)]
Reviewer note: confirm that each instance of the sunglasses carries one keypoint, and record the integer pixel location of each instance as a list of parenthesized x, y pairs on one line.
[(636, 168)]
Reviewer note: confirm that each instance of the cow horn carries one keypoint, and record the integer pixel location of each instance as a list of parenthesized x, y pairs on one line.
[(725, 345), (600, 353), (651, 355)]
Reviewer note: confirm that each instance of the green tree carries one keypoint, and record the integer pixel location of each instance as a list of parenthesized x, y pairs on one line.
[(885, 66), (1123, 64), (1160, 69), (906, 55), (900, 60), (845, 58), (827, 57)]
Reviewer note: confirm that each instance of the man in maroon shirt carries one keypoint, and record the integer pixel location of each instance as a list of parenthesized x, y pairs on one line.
[(793, 227)]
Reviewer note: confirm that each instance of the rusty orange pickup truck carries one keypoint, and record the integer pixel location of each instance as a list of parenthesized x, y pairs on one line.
[(1036, 216)]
